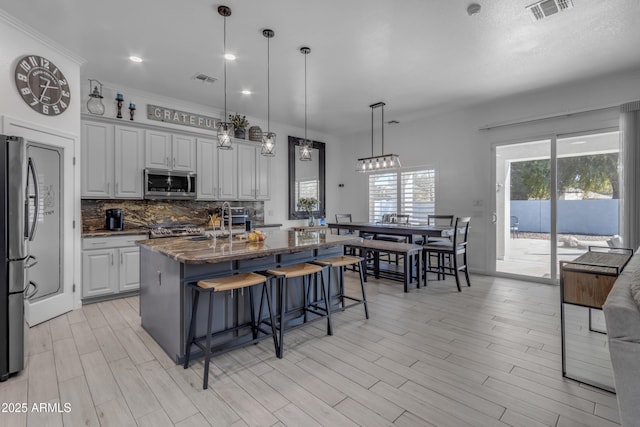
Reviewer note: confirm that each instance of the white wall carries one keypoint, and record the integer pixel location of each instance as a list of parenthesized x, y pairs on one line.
[(453, 143)]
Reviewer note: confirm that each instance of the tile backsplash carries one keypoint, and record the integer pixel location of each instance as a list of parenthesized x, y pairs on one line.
[(143, 213)]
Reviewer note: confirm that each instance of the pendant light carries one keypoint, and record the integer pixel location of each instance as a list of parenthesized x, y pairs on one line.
[(305, 144), (383, 161), (225, 129), (268, 137)]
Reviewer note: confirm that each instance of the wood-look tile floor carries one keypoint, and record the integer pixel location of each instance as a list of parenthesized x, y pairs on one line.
[(489, 356)]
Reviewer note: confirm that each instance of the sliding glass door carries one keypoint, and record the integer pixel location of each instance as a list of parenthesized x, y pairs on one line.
[(555, 197)]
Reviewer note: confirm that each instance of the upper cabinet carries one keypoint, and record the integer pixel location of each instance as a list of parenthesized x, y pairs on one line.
[(216, 171), (254, 173), (112, 161), (170, 151)]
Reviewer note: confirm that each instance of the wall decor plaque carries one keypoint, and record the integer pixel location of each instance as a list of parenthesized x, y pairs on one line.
[(169, 115)]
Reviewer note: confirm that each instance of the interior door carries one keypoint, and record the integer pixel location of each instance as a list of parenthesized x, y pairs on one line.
[(53, 244)]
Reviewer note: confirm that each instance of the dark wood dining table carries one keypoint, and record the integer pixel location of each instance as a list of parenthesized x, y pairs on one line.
[(408, 230)]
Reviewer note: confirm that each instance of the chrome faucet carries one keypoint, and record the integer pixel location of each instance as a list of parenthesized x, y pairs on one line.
[(228, 206)]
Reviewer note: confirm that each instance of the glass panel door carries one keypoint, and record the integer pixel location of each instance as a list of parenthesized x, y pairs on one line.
[(523, 209), (588, 192)]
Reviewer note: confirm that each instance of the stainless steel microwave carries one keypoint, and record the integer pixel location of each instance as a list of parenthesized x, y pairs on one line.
[(164, 184)]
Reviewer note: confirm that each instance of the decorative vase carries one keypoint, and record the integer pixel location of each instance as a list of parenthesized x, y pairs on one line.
[(240, 133), (311, 221)]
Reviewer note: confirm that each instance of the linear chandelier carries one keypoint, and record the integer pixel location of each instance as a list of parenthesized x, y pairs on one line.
[(383, 161)]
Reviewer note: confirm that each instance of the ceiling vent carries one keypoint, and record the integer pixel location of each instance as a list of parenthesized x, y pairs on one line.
[(204, 78), (547, 8)]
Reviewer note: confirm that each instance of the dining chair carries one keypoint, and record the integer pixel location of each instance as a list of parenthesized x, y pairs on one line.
[(396, 219), (513, 226), (342, 219), (452, 250)]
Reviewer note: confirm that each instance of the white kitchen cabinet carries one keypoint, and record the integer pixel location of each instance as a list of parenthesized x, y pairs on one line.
[(170, 151), (129, 161), (184, 153), (254, 173), (97, 160), (216, 171), (110, 265), (112, 161)]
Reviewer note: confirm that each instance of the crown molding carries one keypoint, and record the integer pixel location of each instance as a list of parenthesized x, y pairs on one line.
[(41, 38)]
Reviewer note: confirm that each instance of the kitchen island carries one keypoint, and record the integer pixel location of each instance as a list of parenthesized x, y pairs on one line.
[(168, 265)]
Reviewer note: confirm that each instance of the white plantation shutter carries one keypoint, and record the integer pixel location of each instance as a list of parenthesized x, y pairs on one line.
[(307, 189), (409, 192), (383, 195), (418, 195)]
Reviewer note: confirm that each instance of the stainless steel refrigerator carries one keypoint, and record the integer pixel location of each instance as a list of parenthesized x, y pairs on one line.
[(19, 210)]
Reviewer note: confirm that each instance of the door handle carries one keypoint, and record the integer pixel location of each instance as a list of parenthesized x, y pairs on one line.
[(36, 203), (111, 258), (121, 259), (116, 188), (33, 262), (174, 163), (28, 295), (494, 218)]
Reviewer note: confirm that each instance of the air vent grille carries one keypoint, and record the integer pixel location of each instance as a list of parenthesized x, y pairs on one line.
[(204, 78), (547, 8)]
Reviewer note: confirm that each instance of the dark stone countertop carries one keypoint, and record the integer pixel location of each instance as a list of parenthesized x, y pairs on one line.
[(202, 250), (108, 233)]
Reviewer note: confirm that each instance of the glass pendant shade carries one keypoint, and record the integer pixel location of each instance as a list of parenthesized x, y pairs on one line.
[(225, 132), (94, 104), (305, 150), (268, 144)]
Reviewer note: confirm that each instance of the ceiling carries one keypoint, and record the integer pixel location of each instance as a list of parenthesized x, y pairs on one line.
[(419, 56)]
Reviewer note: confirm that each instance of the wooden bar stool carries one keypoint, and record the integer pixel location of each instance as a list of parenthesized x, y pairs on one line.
[(340, 263), (233, 284), (306, 271)]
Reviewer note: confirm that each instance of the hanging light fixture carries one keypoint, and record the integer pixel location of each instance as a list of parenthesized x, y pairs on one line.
[(305, 144), (268, 137), (225, 129), (383, 161), (94, 104)]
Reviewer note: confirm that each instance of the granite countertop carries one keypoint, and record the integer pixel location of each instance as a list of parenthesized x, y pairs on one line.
[(204, 250), (108, 233)]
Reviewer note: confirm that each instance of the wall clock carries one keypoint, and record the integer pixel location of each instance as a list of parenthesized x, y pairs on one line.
[(42, 85)]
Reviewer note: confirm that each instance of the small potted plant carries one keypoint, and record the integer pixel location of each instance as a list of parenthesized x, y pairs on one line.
[(308, 204), (240, 124)]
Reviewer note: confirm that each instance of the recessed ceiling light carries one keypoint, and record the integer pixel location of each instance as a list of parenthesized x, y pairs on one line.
[(135, 59), (246, 92), (229, 57)]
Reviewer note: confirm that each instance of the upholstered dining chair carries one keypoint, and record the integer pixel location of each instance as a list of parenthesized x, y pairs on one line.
[(451, 251)]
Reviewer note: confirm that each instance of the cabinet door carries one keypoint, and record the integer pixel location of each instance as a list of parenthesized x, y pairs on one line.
[(246, 172), (99, 273), (206, 170), (263, 177), (158, 150), (129, 163), (184, 153), (129, 269), (97, 160), (227, 174)]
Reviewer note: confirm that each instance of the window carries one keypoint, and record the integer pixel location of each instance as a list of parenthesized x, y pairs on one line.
[(409, 192), (307, 189)]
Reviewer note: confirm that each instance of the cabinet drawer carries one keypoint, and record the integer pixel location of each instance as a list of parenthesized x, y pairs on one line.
[(89, 243)]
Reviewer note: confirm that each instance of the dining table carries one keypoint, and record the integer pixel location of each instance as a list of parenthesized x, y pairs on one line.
[(408, 230)]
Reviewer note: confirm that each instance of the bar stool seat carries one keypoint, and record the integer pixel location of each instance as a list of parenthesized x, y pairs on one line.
[(341, 262), (221, 284), (306, 271)]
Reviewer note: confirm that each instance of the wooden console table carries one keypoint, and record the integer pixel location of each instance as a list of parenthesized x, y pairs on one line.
[(586, 282)]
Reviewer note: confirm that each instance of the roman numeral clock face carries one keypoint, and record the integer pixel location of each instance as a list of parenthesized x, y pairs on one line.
[(42, 85)]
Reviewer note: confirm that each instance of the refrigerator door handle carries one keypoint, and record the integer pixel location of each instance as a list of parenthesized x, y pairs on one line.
[(28, 295), (36, 196), (33, 259)]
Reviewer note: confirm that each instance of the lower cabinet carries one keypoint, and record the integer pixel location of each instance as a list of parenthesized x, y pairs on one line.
[(110, 265)]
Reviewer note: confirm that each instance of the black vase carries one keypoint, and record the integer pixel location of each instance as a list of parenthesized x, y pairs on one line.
[(240, 133)]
